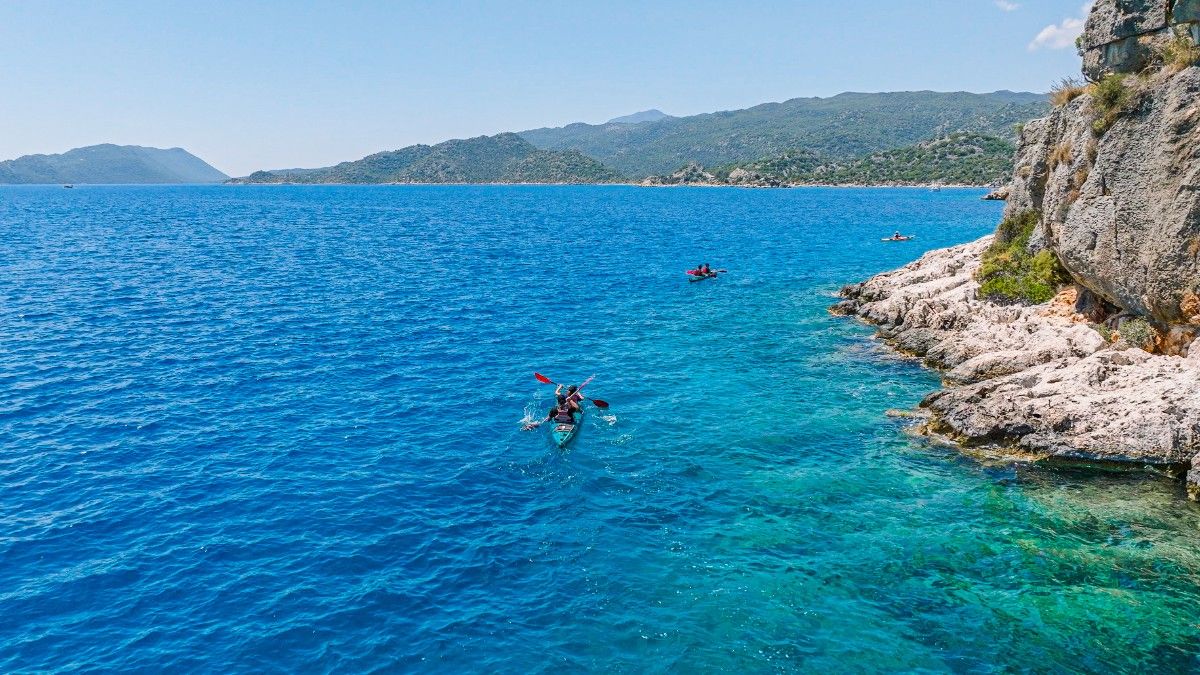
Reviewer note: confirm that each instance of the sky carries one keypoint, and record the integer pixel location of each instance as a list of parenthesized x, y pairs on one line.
[(267, 84)]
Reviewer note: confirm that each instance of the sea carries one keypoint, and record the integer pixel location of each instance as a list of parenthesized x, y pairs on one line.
[(279, 429)]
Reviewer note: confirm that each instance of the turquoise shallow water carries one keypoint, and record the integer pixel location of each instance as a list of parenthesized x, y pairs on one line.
[(277, 429)]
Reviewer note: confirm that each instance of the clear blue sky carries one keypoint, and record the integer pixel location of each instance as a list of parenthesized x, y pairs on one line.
[(274, 84)]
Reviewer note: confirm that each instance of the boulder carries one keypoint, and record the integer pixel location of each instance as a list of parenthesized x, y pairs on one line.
[(997, 195), (1130, 232)]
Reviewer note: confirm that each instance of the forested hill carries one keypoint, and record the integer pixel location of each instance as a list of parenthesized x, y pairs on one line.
[(504, 158), (957, 159), (845, 126), (107, 163)]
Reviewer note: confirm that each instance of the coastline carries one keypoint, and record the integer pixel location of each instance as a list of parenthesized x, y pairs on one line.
[(1037, 380), (919, 186)]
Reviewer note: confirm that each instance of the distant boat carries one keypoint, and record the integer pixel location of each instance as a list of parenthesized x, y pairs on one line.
[(935, 188), (69, 186)]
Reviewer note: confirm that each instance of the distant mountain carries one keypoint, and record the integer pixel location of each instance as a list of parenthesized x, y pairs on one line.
[(639, 117), (845, 126), (109, 163), (504, 158), (958, 159)]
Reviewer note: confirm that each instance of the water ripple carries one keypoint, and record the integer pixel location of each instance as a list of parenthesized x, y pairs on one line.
[(278, 429)]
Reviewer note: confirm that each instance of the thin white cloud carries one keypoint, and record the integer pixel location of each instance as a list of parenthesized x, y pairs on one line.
[(1008, 6), (1061, 35)]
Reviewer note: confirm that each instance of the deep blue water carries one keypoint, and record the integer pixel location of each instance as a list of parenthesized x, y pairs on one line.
[(248, 429)]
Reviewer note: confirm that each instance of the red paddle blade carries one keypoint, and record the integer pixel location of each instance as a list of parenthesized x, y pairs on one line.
[(600, 404), (542, 378)]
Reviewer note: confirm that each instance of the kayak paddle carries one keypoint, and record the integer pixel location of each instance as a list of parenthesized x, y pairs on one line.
[(595, 401)]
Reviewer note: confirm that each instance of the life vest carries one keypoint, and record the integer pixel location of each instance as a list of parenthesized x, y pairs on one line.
[(562, 414)]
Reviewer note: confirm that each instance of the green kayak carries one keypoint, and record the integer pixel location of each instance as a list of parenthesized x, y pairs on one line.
[(564, 433)]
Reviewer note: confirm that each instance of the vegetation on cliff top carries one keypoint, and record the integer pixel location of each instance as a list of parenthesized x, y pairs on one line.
[(1068, 89), (504, 158), (1009, 273), (1179, 53)]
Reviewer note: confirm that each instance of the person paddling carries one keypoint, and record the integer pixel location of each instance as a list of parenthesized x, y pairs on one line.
[(573, 396), (572, 401), (563, 412)]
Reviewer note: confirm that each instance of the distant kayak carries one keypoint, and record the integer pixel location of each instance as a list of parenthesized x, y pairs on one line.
[(697, 275), (904, 238)]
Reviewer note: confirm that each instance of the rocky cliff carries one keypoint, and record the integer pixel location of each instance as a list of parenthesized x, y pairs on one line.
[(1110, 183), (1124, 35), (1115, 172)]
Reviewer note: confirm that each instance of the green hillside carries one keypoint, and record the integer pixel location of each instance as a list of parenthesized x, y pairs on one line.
[(109, 163), (504, 158), (841, 127), (961, 158)]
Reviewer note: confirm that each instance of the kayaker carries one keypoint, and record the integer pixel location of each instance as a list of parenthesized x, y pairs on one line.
[(574, 398), (897, 236), (563, 412)]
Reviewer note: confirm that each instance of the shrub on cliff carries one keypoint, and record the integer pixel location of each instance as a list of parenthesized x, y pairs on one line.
[(1018, 227), (1137, 333), (1009, 273), (1181, 52), (1068, 89), (1111, 98), (1060, 155)]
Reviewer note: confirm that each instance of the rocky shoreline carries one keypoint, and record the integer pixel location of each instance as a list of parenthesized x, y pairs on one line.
[(1073, 333), (1039, 379), (922, 186)]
